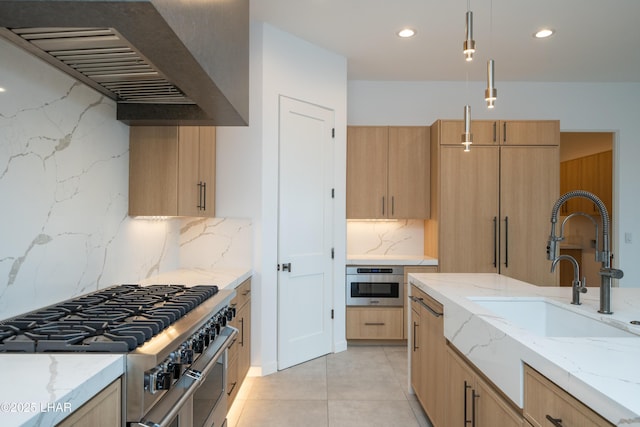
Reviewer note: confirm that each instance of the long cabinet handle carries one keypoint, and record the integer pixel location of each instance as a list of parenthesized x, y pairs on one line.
[(495, 242), (422, 303), (242, 332), (506, 241), (466, 387), (393, 206), (374, 323), (199, 205), (495, 133), (382, 205), (474, 396), (504, 132), (204, 196), (555, 421), (415, 326)]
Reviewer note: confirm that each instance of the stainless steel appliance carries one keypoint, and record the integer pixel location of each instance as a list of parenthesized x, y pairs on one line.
[(375, 285), (174, 338)]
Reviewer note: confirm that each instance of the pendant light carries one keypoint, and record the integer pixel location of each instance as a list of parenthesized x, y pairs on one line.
[(469, 45), (491, 93), (467, 137)]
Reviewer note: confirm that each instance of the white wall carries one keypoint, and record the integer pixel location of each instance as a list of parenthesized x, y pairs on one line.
[(284, 65), (578, 106), (64, 167)]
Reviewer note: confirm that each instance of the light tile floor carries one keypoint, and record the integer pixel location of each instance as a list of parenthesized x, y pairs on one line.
[(363, 386)]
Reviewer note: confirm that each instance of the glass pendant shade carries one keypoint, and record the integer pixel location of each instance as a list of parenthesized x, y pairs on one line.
[(491, 93), (469, 45), (467, 137)]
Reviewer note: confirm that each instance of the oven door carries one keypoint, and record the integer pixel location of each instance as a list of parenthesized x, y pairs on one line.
[(377, 290), (198, 398)]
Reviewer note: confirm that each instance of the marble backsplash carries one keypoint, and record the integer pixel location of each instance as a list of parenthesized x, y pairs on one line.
[(401, 237), (64, 165)]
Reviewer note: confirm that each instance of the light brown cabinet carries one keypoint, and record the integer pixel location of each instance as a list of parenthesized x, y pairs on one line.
[(503, 132), (593, 173), (172, 171), (428, 355), (472, 400), (102, 410), (239, 354), (374, 323), (407, 270), (493, 204), (388, 172), (545, 402)]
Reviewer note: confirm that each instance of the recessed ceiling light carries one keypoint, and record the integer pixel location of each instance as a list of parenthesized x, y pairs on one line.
[(2, 89), (543, 33), (406, 33)]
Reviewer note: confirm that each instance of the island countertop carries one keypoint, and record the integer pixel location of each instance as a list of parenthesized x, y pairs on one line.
[(603, 373)]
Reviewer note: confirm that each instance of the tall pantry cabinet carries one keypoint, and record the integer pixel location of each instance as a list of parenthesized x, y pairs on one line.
[(491, 207)]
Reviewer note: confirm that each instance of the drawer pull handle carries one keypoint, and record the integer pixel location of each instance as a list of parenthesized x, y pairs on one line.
[(374, 323), (422, 303), (557, 422)]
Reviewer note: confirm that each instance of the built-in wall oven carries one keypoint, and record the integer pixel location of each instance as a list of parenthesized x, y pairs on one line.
[(375, 286)]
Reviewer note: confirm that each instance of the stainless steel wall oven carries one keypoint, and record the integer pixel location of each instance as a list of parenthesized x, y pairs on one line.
[(375, 285)]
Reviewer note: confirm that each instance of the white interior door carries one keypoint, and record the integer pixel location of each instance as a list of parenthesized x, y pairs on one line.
[(305, 230)]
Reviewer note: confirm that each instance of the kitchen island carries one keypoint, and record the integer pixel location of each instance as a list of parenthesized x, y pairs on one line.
[(601, 372)]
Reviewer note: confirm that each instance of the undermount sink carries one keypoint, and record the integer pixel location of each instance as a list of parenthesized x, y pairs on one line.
[(546, 318)]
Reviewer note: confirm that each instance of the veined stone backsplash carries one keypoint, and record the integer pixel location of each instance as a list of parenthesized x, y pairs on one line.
[(64, 166), (402, 237)]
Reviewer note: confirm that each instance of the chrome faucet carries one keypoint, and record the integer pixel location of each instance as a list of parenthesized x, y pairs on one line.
[(577, 285), (604, 255)]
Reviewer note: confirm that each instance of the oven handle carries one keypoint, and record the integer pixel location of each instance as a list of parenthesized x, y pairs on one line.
[(182, 391)]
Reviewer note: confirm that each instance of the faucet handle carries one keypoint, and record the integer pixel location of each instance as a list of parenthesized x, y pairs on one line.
[(613, 273)]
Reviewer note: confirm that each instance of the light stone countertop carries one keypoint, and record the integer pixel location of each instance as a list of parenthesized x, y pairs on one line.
[(411, 260), (42, 389), (603, 373)]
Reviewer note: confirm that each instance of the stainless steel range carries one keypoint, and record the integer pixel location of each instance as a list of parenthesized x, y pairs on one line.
[(175, 339)]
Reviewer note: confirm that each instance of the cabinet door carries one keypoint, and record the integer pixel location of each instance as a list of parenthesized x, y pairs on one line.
[(102, 410), (468, 232), (416, 350), (188, 159), (409, 183), (485, 132), (459, 391), (207, 169), (570, 180), (491, 409), (367, 156), (244, 341), (153, 170), (529, 185), (433, 358), (530, 132)]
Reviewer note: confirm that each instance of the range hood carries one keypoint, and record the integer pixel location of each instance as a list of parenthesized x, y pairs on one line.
[(164, 62)]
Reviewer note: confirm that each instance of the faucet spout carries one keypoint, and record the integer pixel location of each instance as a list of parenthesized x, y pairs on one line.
[(577, 286), (603, 255)]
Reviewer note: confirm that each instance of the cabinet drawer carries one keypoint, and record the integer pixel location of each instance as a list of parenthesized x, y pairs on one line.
[(243, 294), (543, 399), (374, 323)]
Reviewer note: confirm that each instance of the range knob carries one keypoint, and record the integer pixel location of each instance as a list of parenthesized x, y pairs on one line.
[(198, 344)]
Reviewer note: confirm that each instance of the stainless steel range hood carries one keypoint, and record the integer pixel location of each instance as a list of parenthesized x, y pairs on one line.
[(165, 62)]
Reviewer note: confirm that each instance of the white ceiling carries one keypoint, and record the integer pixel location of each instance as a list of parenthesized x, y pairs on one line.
[(595, 40)]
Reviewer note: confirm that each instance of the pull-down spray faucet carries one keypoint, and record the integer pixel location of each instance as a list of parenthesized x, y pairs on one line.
[(604, 255)]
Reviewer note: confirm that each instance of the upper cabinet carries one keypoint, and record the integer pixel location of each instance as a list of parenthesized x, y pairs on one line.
[(172, 170), (493, 204), (388, 172), (503, 132)]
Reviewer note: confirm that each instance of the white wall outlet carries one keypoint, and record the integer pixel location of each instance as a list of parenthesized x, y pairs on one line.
[(627, 237)]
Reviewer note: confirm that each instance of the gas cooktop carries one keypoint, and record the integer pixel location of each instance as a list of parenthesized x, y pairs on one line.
[(116, 319)]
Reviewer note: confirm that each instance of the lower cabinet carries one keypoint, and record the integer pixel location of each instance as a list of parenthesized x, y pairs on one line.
[(239, 354), (472, 401), (103, 410), (428, 355), (546, 404), (381, 323)]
